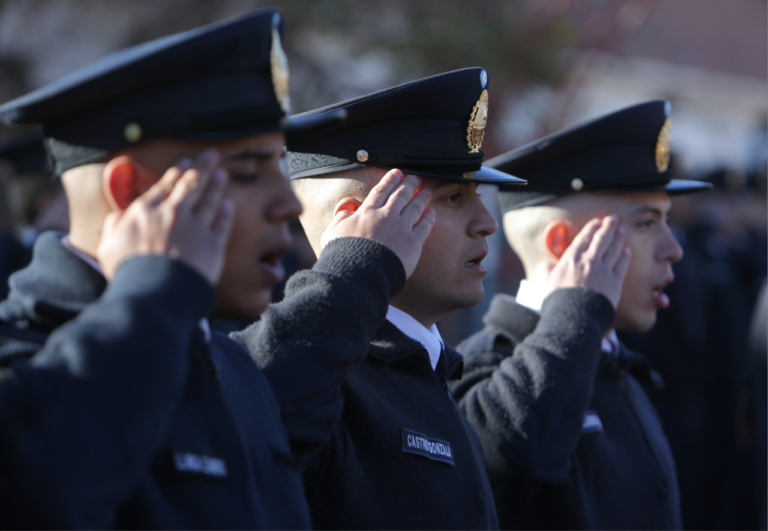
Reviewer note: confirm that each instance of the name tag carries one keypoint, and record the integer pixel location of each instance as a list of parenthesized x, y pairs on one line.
[(435, 449), (592, 423), (200, 465)]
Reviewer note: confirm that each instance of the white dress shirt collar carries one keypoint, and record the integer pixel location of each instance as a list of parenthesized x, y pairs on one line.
[(429, 337), (530, 297)]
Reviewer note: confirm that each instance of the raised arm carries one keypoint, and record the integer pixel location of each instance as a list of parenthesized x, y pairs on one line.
[(80, 421), (331, 312), (527, 397)]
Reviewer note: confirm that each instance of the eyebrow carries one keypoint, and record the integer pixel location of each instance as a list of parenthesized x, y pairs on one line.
[(251, 154), (451, 183), (649, 210)]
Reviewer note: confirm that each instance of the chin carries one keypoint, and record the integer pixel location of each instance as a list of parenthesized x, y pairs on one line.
[(636, 323), (243, 305), (469, 299)]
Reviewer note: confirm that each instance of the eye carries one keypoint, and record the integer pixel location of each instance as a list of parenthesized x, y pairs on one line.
[(453, 198), (245, 178), (646, 223)]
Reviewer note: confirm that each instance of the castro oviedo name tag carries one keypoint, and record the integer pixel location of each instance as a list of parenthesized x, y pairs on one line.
[(434, 449)]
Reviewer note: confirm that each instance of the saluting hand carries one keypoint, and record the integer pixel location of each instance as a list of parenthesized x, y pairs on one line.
[(393, 214), (184, 215), (595, 259)]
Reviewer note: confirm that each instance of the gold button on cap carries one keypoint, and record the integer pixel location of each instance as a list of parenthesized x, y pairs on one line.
[(132, 132), (362, 155), (577, 184)]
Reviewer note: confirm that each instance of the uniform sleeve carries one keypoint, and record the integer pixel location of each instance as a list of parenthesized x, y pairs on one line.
[(527, 402), (324, 325), (80, 421)]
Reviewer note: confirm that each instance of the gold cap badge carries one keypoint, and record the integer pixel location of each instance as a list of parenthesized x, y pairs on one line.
[(477, 121), (664, 146), (279, 63)]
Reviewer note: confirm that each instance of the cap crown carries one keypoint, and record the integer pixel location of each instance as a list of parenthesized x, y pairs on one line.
[(627, 150), (216, 81), (433, 126)]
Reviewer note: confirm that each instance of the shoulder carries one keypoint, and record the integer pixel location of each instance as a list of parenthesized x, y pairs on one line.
[(479, 342), (507, 323)]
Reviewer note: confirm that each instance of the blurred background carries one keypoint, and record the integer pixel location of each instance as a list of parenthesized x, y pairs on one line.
[(552, 63)]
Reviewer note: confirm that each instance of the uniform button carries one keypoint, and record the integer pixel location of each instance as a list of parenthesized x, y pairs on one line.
[(132, 132)]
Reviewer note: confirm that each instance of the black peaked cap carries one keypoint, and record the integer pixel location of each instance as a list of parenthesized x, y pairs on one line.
[(432, 127), (223, 80), (625, 151)]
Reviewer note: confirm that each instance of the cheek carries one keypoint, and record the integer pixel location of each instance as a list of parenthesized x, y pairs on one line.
[(246, 228), (437, 247)]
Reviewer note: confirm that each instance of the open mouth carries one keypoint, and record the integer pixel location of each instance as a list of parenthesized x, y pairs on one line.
[(476, 262), (660, 298), (270, 261)]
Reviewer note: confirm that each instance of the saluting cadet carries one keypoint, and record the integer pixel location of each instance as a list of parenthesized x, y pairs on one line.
[(133, 414), (571, 439), (399, 453)]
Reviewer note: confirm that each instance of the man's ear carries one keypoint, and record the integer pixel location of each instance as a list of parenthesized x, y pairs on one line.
[(557, 237), (348, 203), (123, 180)]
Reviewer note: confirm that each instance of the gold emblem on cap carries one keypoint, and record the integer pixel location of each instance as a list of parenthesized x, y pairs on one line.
[(477, 121), (132, 132), (469, 175), (577, 184), (664, 146), (362, 155), (280, 76)]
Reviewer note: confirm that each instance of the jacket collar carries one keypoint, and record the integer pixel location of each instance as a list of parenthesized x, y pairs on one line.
[(510, 319), (53, 289), (634, 363), (390, 345)]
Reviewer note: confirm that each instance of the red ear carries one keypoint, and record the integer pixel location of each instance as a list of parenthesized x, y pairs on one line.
[(121, 182), (557, 237), (348, 203)]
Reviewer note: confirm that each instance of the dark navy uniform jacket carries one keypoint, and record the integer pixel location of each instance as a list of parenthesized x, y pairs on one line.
[(400, 454), (127, 417), (570, 437)]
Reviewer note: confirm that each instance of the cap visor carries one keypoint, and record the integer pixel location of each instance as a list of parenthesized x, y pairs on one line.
[(683, 186), (484, 175), (673, 187), (494, 176), (307, 122)]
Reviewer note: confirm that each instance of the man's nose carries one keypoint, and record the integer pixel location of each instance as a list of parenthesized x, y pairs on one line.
[(483, 223), (285, 205), (670, 249)]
